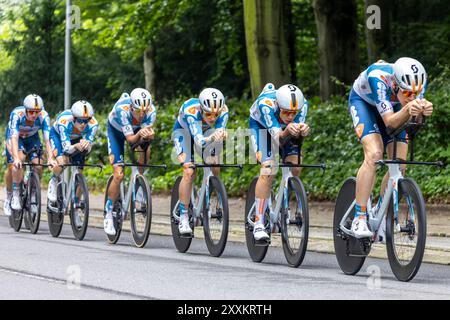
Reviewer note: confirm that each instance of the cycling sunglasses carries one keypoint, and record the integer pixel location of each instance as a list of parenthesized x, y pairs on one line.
[(407, 93), (82, 121), (210, 114), (287, 113), (33, 112)]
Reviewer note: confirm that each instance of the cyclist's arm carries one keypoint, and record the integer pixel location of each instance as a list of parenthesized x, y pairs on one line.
[(197, 132), (46, 134), (65, 139), (15, 146)]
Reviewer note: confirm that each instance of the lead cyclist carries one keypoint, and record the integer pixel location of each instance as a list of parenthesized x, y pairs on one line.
[(384, 96)]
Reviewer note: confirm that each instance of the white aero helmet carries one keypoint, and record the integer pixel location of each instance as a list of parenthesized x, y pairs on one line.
[(141, 99), (82, 109), (289, 97), (212, 100), (410, 74), (33, 102)]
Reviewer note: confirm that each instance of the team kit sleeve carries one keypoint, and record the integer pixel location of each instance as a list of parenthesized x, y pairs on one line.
[(45, 127), (268, 118), (301, 117), (124, 121), (150, 119), (380, 93), (92, 131), (222, 121), (63, 131), (14, 125), (193, 119)]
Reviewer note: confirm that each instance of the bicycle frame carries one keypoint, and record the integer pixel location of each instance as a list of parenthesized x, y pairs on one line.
[(395, 175), (282, 193), (126, 200), (202, 193), (375, 221)]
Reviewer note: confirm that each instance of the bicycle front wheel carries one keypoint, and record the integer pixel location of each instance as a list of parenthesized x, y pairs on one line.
[(216, 217), (257, 252), (79, 207), (141, 212), (181, 243), (295, 223), (117, 214), (34, 202), (406, 233), (56, 219)]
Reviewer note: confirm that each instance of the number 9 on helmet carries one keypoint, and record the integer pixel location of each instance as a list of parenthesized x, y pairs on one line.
[(211, 100), (141, 99), (290, 97), (33, 102), (82, 109)]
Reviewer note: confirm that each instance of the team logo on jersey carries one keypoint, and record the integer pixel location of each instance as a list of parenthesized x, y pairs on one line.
[(64, 121), (192, 110), (385, 80), (258, 156), (111, 158), (269, 103), (359, 130), (125, 108), (92, 121)]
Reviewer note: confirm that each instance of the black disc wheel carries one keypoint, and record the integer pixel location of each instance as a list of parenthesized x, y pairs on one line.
[(181, 243), (141, 212), (406, 232), (348, 263), (79, 207), (117, 214), (257, 251), (216, 217), (295, 222), (55, 215), (34, 202)]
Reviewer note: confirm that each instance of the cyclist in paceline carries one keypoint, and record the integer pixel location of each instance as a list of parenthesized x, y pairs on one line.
[(193, 129), (131, 119), (22, 135), (384, 96), (73, 130), (276, 115)]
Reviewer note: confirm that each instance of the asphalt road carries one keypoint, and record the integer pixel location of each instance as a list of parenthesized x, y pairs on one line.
[(41, 267)]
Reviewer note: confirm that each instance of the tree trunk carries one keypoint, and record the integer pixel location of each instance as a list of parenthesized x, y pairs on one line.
[(267, 48), (149, 69), (378, 29), (338, 47)]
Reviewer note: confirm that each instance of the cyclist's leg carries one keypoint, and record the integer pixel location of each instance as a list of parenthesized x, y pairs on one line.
[(402, 151), (17, 178), (261, 142), (184, 145), (35, 142), (116, 150), (367, 130), (144, 158), (8, 179), (290, 154)]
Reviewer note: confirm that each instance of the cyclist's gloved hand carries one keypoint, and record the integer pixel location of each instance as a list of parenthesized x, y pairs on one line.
[(414, 108), (304, 129), (427, 107), (293, 129)]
